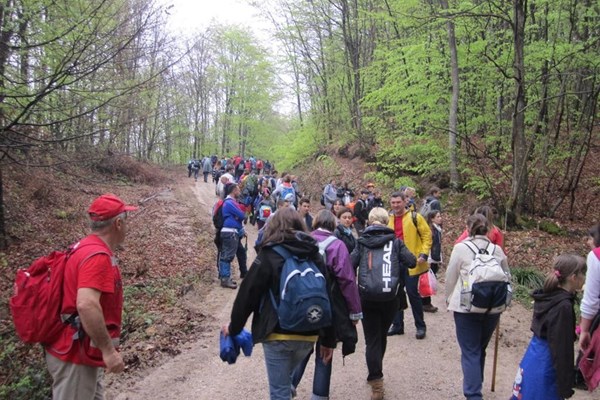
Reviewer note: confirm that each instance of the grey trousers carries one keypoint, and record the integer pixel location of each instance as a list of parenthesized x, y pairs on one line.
[(75, 381)]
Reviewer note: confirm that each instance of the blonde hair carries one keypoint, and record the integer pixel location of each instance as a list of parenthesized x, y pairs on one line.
[(378, 215)]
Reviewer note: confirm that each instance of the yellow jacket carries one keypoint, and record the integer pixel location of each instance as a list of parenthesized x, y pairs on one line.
[(417, 238)]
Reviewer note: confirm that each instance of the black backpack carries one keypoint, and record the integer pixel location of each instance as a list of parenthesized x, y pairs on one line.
[(378, 277), (217, 214)]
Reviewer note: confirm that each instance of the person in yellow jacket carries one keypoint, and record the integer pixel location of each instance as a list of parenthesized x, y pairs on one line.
[(413, 230)]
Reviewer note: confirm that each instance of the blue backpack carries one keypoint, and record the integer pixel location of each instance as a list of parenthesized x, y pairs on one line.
[(303, 299), (287, 190)]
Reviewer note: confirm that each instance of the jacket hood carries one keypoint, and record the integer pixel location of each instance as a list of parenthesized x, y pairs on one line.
[(304, 245), (320, 234), (376, 236), (545, 301)]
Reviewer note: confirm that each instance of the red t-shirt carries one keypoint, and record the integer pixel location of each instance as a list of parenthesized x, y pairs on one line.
[(398, 227), (92, 266)]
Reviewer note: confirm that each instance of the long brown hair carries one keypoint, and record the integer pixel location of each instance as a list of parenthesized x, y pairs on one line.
[(283, 226), (565, 265), (477, 224)]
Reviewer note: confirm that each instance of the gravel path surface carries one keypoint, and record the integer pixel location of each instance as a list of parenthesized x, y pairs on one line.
[(413, 369)]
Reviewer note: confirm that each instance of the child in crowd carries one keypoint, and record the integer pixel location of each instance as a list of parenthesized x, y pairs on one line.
[(546, 371), (434, 219)]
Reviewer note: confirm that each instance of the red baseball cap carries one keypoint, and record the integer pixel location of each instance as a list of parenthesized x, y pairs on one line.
[(108, 206)]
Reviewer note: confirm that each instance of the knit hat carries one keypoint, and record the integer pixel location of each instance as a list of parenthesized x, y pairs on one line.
[(108, 206)]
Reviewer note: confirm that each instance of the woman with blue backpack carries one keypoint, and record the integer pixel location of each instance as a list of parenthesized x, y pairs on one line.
[(337, 259), (287, 333)]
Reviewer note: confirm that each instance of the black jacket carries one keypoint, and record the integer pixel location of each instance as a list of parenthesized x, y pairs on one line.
[(349, 240), (436, 245), (554, 321), (263, 276), (377, 236), (361, 211)]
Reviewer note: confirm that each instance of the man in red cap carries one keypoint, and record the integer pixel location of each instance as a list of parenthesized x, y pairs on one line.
[(91, 307)]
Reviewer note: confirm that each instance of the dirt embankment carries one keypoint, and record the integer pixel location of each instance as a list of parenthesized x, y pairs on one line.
[(414, 369)]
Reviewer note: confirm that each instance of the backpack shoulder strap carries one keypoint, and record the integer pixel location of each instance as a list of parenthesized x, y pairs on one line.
[(597, 252), (471, 246), (413, 214), (282, 251), (325, 243), (492, 246)]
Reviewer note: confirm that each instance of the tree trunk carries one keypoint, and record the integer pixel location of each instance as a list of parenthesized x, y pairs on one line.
[(3, 233), (453, 116), (519, 144)]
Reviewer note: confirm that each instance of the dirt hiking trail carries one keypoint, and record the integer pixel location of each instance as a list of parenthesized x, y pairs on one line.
[(426, 369)]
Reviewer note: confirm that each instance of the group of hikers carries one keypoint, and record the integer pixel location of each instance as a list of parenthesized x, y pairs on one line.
[(315, 278), (375, 263), (216, 166)]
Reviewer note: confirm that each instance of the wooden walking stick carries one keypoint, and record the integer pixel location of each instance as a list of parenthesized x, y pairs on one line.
[(493, 388)]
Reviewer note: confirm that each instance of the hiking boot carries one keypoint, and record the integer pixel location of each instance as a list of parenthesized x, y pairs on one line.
[(430, 308), (420, 334), (395, 330), (376, 389), (228, 283)]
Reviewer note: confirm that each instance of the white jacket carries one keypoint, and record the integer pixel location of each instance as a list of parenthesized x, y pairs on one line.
[(590, 304)]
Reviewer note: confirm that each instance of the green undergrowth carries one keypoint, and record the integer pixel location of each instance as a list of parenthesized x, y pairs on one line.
[(525, 281)]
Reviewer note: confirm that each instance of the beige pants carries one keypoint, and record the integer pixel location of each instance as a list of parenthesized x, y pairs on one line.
[(75, 381)]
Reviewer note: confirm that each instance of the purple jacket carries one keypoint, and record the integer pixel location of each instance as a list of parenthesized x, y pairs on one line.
[(338, 262)]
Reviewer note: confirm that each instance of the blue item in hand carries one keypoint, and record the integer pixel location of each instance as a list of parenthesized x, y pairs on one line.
[(229, 351), (230, 346), (244, 340)]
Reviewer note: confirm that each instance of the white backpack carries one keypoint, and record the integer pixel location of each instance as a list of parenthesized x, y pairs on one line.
[(485, 287)]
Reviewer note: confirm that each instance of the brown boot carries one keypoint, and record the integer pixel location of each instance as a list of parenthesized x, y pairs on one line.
[(376, 389)]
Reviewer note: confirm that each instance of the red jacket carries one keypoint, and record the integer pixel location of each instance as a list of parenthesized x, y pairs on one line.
[(495, 235)]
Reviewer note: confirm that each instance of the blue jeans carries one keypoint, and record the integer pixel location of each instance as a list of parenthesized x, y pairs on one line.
[(321, 378), (281, 358), (473, 333), (416, 304), (227, 251)]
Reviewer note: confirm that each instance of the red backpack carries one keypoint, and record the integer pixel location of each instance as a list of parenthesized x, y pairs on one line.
[(37, 299)]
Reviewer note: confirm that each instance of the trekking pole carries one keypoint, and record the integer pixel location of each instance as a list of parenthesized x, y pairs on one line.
[(493, 388)]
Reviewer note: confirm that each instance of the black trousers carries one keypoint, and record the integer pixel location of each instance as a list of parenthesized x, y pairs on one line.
[(377, 318)]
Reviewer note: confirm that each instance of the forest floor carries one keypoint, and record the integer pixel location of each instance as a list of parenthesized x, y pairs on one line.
[(414, 369)]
